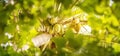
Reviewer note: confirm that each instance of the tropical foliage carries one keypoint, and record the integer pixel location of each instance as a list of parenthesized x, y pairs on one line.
[(59, 28)]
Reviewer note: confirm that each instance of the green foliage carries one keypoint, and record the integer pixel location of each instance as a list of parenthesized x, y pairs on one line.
[(22, 20)]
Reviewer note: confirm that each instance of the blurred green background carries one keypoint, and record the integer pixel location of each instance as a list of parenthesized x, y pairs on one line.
[(64, 20)]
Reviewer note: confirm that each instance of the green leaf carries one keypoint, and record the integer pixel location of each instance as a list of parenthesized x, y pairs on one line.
[(88, 6), (60, 42), (94, 22), (116, 47), (69, 34), (115, 9), (10, 28)]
